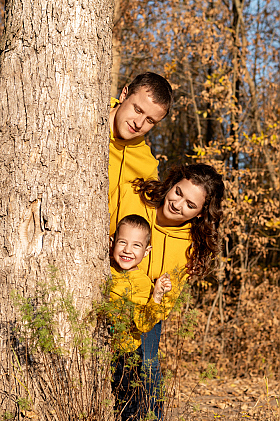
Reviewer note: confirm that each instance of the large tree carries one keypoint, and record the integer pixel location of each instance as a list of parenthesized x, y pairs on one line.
[(55, 89)]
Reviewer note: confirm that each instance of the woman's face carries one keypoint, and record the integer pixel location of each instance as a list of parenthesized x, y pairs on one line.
[(183, 202)]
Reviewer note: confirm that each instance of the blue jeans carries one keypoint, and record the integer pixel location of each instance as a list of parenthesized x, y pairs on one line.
[(151, 371), (128, 396)]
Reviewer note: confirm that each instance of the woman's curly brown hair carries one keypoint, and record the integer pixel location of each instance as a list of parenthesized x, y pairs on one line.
[(204, 229)]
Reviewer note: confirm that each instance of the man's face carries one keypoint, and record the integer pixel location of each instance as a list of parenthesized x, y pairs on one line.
[(130, 247), (136, 115)]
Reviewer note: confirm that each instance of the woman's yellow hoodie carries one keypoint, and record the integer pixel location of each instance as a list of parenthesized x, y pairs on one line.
[(169, 244), (129, 159), (132, 313)]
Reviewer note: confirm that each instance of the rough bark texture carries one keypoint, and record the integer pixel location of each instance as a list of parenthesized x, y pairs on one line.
[(55, 90)]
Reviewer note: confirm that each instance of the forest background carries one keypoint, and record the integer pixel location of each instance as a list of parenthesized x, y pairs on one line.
[(222, 59)]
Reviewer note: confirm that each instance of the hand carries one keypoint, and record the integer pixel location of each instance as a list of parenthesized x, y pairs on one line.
[(162, 286)]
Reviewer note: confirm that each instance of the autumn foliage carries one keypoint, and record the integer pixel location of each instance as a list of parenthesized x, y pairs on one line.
[(222, 60)]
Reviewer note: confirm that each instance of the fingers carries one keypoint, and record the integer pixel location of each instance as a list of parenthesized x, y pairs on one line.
[(166, 282), (164, 276), (167, 286), (163, 284)]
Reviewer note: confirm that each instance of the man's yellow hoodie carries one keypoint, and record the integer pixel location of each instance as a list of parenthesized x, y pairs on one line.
[(129, 159), (133, 312), (169, 244)]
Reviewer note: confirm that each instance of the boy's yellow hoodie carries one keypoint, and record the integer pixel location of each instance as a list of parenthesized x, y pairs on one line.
[(133, 313), (129, 159), (169, 244)]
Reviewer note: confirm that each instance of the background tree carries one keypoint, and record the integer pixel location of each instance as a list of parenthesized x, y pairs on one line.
[(222, 59), (55, 82)]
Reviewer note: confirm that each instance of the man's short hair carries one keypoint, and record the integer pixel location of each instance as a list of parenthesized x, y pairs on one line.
[(157, 85), (135, 221)]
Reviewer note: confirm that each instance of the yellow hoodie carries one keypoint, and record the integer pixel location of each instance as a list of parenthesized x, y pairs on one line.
[(129, 159), (169, 244), (132, 313)]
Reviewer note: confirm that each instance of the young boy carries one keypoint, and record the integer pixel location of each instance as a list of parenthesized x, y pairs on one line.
[(129, 246), (133, 312)]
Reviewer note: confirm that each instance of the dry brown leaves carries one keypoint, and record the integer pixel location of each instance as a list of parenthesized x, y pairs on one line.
[(244, 348)]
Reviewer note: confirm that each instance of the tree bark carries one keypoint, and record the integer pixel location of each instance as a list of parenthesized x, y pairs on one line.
[(55, 89)]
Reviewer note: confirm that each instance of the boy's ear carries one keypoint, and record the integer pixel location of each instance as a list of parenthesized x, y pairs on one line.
[(111, 244), (147, 251), (123, 94)]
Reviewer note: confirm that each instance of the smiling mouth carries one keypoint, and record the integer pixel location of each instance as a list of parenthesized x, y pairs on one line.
[(131, 129), (173, 209), (126, 258)]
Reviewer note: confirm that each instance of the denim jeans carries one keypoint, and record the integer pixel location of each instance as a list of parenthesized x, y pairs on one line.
[(126, 376), (151, 371)]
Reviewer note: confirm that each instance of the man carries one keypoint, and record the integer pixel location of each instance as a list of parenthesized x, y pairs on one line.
[(141, 106)]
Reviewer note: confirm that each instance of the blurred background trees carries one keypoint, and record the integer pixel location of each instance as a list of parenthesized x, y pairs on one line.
[(222, 59)]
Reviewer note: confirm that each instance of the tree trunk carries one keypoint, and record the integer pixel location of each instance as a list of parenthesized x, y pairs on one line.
[(55, 90)]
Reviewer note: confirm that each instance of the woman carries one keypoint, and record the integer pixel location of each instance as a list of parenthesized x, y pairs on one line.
[(184, 212)]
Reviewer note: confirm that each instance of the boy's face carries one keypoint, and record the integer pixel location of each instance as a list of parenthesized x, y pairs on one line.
[(130, 247), (136, 115)]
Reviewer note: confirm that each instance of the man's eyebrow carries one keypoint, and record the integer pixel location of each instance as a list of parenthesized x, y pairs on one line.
[(138, 106), (142, 111)]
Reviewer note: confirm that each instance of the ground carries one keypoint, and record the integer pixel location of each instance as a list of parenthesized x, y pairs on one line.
[(225, 399)]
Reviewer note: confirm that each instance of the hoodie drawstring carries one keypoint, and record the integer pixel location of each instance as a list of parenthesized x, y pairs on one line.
[(120, 182)]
